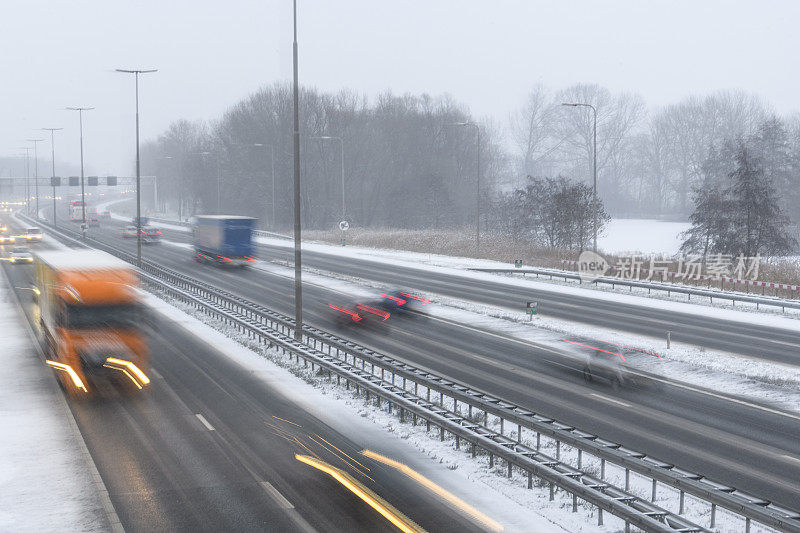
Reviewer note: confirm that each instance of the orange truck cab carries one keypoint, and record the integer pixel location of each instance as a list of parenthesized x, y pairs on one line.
[(91, 317)]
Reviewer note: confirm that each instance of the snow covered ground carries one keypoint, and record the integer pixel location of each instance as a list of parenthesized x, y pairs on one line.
[(45, 480), (642, 235)]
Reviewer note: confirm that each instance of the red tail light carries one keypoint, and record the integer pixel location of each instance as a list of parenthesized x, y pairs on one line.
[(399, 301), (418, 298), (355, 316), (248, 258), (379, 312), (223, 259)]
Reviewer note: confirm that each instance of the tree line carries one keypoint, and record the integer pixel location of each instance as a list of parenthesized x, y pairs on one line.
[(409, 161)]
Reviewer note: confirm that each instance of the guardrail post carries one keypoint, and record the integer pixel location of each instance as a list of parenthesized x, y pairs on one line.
[(552, 491), (627, 479), (599, 516), (574, 503), (602, 469), (713, 515), (558, 450), (580, 458), (530, 480), (538, 441), (669, 335), (653, 498), (502, 424), (519, 433), (681, 505)]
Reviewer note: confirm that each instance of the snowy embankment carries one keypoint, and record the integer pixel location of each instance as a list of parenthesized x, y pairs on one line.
[(46, 476)]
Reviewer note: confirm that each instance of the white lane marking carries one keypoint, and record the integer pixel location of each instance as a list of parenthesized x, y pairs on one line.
[(276, 495), (204, 421), (791, 458), (611, 400), (155, 374)]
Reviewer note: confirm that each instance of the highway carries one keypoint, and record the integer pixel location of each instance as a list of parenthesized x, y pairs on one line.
[(746, 445), (210, 447)]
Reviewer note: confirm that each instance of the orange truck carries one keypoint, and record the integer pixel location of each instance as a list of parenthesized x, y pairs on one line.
[(91, 316)]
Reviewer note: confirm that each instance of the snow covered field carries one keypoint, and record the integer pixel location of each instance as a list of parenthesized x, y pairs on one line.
[(642, 235), (45, 480)]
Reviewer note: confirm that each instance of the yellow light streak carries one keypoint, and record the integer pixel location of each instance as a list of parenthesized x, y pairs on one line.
[(130, 366), (402, 522), (452, 499), (72, 374), (124, 372)]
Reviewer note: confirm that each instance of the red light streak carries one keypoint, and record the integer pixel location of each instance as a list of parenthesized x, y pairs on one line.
[(595, 348), (374, 311), (425, 301), (356, 316), (399, 301)]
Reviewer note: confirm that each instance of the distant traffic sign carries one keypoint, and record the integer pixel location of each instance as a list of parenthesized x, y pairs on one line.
[(344, 225), (517, 263), (532, 308)]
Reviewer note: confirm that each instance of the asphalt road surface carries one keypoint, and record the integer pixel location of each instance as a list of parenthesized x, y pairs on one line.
[(747, 445)]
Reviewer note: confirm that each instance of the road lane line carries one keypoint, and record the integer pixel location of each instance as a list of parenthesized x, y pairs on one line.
[(611, 400), (279, 498), (202, 419)]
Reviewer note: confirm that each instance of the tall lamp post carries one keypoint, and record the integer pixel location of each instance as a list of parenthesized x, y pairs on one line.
[(80, 111), (272, 166), (298, 269), (138, 169), (477, 182), (53, 157), (36, 172), (27, 179), (594, 168)]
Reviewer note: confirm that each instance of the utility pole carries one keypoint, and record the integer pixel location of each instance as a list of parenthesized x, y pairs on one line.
[(53, 175), (27, 179), (138, 168), (36, 172), (80, 111), (298, 270)]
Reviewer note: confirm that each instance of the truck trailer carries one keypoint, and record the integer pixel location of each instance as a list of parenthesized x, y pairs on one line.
[(224, 240), (91, 317)]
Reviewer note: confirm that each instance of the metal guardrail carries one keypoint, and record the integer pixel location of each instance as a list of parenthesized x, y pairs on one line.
[(750, 507), (668, 288)]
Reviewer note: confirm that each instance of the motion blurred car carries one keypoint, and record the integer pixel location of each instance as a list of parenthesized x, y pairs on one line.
[(105, 214), (398, 301), (33, 234), (151, 234), (605, 367), (93, 221), (129, 232), (5, 236), (21, 255)]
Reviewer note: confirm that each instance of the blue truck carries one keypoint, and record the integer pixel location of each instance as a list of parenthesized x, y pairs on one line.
[(225, 240)]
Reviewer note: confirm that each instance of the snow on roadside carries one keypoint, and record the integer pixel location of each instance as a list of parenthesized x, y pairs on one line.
[(44, 482), (506, 501)]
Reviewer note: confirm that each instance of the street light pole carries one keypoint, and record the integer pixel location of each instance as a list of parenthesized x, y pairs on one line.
[(27, 179), (53, 155), (80, 111), (298, 270), (36, 172), (138, 168), (594, 169)]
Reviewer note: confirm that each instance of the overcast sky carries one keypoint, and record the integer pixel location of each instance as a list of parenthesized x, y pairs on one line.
[(487, 54)]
